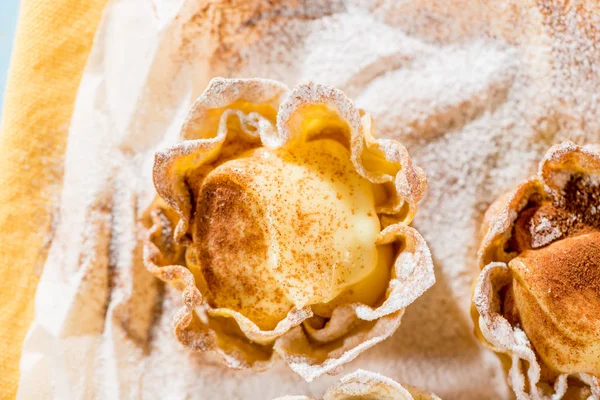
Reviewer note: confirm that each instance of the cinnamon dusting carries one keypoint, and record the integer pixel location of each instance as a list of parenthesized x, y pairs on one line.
[(557, 296), (582, 199), (231, 247), (567, 266)]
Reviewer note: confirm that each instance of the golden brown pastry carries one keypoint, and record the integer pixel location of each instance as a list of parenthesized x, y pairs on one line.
[(285, 224), (537, 299), (366, 385)]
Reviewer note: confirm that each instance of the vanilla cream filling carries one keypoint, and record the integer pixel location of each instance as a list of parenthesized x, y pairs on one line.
[(282, 227)]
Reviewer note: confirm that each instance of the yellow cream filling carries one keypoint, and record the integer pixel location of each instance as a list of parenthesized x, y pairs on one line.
[(284, 227)]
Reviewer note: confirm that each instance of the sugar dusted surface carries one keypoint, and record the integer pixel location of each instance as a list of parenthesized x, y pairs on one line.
[(476, 92)]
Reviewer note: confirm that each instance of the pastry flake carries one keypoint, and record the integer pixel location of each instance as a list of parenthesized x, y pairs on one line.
[(363, 384), (537, 298), (285, 224)]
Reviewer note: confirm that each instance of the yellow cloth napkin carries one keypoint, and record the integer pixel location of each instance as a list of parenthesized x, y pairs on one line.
[(52, 43)]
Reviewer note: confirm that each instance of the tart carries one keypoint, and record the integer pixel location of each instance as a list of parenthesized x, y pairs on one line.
[(285, 224), (537, 298)]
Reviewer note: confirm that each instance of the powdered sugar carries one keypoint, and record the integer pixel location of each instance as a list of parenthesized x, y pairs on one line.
[(547, 231)]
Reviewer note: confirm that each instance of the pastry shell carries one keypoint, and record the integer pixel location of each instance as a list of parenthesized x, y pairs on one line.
[(528, 375), (363, 384), (268, 114)]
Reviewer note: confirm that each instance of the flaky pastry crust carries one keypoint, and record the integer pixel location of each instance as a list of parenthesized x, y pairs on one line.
[(508, 259), (232, 117), (363, 384)]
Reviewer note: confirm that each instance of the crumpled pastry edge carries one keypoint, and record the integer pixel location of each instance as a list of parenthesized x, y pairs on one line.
[(413, 268), (491, 327), (367, 383)]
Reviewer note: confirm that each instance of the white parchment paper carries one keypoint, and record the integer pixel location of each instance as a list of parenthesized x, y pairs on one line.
[(476, 92)]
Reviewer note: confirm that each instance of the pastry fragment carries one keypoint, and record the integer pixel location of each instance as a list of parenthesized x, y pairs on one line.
[(537, 298), (285, 224), (366, 385)]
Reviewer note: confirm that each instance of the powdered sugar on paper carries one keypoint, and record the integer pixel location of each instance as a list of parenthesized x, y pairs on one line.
[(476, 92)]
